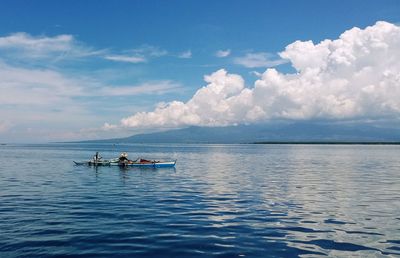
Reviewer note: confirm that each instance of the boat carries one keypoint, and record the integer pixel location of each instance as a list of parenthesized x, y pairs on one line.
[(93, 163), (96, 161), (123, 161), (145, 163)]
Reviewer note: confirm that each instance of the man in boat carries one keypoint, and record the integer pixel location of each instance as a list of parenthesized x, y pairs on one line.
[(97, 157), (123, 158)]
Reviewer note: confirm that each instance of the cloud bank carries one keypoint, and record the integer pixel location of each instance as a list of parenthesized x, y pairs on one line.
[(46, 104), (354, 76), (42, 97)]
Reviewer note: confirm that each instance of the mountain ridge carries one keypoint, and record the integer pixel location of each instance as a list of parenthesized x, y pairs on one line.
[(294, 132)]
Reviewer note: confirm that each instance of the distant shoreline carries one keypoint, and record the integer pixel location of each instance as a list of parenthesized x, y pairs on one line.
[(251, 143), (332, 143), (225, 143)]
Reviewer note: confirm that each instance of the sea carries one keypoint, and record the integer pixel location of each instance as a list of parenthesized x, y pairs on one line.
[(241, 200)]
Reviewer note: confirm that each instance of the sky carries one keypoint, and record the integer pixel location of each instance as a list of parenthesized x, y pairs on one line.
[(74, 70)]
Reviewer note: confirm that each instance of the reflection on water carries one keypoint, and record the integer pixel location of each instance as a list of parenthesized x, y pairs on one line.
[(220, 200)]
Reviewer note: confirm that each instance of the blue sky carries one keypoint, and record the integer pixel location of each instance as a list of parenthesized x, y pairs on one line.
[(109, 60)]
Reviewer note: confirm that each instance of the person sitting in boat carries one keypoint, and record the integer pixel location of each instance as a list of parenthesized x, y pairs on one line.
[(97, 157), (123, 157)]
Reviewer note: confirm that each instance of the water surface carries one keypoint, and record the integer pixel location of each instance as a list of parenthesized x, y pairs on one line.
[(219, 201)]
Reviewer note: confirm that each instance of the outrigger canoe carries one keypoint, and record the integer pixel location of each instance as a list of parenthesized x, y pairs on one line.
[(145, 163), (93, 163), (129, 163)]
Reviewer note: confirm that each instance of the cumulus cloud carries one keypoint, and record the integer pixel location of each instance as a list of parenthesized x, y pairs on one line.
[(223, 53), (207, 106), (354, 76), (259, 59), (186, 54)]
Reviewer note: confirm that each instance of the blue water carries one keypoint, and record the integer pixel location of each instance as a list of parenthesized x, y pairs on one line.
[(219, 201)]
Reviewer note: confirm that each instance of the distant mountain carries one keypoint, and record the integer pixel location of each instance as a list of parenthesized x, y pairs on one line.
[(296, 132)]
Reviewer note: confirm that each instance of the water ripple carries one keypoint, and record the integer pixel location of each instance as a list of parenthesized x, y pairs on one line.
[(220, 201)]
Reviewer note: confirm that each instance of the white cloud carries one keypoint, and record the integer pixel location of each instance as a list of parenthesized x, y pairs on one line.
[(35, 86), (355, 76), (22, 86), (108, 127), (207, 107), (157, 87), (185, 54), (137, 55), (259, 59), (42, 43), (39, 93), (24, 46), (148, 50), (255, 73), (43, 100), (127, 59), (56, 105), (223, 53)]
